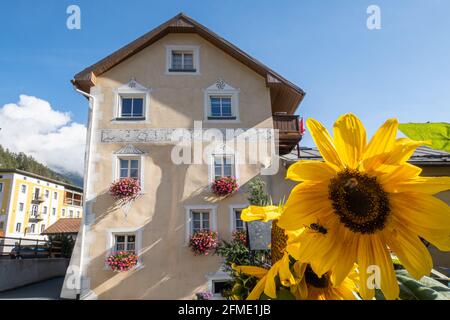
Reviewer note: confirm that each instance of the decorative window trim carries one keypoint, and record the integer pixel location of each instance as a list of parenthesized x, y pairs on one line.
[(221, 89), (129, 152), (212, 219), (110, 239), (131, 90), (196, 59), (218, 276), (231, 209), (222, 150)]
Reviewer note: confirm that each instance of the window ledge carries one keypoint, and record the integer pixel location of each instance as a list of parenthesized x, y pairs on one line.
[(183, 70), (129, 119)]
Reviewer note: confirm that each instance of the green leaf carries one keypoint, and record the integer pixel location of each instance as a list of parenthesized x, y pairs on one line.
[(438, 133), (424, 289)]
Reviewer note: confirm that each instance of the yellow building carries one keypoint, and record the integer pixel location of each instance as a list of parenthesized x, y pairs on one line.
[(30, 203)]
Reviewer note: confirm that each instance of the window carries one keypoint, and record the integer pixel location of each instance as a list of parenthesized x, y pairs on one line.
[(125, 242), (239, 225), (1, 187), (200, 221), (70, 213), (21, 206), (23, 188), (131, 107), (128, 168), (63, 212), (221, 102), (55, 195), (221, 108), (36, 193), (182, 59), (53, 211), (2, 224), (47, 193), (44, 210), (218, 286), (223, 166), (18, 227), (34, 210), (42, 227), (32, 228), (78, 214)]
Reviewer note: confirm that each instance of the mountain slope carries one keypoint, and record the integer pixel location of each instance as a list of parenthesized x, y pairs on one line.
[(10, 160)]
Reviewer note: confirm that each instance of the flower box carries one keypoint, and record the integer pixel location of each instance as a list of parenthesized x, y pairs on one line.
[(202, 242), (224, 186), (122, 261), (126, 189)]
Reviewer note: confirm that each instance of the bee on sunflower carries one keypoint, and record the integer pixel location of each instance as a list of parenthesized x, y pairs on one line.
[(370, 201), (288, 277)]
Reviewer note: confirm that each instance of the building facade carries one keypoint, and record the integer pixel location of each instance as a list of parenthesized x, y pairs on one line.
[(30, 203), (175, 75)]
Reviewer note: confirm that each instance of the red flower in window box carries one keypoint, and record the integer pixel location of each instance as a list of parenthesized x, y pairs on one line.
[(122, 261), (126, 189), (240, 236), (202, 242), (224, 186)]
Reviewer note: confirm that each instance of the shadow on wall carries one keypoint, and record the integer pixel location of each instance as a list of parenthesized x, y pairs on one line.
[(162, 249)]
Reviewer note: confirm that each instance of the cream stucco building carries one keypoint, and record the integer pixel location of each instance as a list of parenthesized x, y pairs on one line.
[(176, 74)]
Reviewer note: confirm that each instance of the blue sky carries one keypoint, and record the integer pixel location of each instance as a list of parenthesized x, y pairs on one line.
[(402, 70)]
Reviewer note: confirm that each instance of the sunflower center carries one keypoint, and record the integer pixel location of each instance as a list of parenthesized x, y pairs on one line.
[(359, 200), (314, 280)]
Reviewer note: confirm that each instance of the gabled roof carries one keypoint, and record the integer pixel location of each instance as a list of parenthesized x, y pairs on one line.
[(64, 225), (285, 95), (423, 156)]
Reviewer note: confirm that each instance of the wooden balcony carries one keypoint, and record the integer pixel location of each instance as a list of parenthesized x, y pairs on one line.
[(290, 131)]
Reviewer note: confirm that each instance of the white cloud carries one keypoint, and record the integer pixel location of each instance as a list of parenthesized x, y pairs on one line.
[(33, 127)]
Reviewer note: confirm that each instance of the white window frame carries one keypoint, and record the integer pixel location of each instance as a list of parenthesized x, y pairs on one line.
[(42, 228), (18, 226), (222, 151), (221, 89), (132, 89), (46, 194), (189, 222), (23, 188), (216, 277), (63, 213), (116, 166), (21, 206), (1, 187), (186, 48), (231, 210), (32, 230), (111, 235), (53, 211), (55, 195)]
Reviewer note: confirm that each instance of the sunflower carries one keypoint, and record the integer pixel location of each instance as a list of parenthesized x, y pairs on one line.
[(363, 201), (300, 279)]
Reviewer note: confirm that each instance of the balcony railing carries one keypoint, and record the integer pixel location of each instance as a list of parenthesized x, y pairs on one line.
[(37, 216), (38, 199), (290, 129)]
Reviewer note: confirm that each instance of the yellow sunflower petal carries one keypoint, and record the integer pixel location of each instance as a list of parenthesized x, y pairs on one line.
[(383, 259), (251, 271), (348, 256), (257, 290), (270, 288), (429, 185), (412, 253), (304, 206), (265, 214), (403, 150), (324, 143), (350, 139), (381, 143), (286, 277), (398, 174), (421, 210), (310, 170), (365, 259)]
